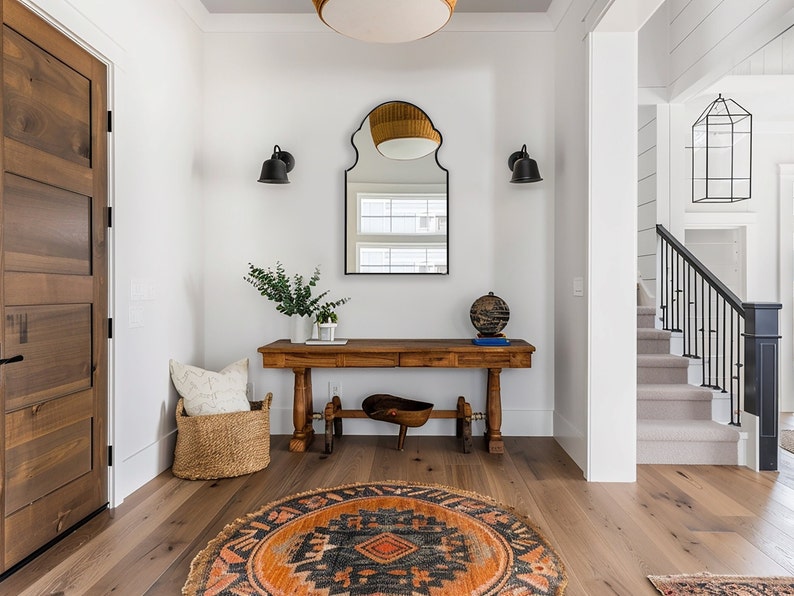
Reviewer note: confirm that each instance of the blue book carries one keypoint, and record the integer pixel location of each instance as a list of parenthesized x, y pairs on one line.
[(490, 341)]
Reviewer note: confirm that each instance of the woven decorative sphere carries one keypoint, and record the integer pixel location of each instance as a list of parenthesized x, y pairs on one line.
[(489, 314)]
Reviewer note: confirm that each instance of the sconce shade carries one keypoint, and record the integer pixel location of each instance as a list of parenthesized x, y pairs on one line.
[(385, 21), (524, 168), (274, 170), (722, 148), (402, 131)]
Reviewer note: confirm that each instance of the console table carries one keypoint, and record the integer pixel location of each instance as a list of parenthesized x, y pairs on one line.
[(394, 353)]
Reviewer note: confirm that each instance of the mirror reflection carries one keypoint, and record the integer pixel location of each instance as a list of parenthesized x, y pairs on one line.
[(396, 195)]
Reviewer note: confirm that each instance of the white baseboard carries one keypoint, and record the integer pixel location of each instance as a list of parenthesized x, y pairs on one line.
[(133, 471), (750, 428), (571, 440)]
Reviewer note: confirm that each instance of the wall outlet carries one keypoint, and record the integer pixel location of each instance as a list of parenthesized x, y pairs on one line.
[(334, 388), (249, 391)]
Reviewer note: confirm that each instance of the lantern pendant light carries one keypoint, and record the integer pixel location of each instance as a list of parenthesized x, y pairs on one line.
[(385, 21), (722, 150)]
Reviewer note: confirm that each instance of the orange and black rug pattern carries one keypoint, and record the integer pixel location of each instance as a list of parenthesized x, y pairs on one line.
[(387, 538)]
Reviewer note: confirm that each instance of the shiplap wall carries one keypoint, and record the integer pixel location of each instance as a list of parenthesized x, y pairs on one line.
[(646, 192), (775, 58), (710, 37)]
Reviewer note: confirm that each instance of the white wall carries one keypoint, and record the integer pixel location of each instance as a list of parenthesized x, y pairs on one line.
[(308, 92), (570, 234), (154, 52)]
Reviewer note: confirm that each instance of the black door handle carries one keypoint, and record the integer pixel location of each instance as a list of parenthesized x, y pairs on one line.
[(17, 358)]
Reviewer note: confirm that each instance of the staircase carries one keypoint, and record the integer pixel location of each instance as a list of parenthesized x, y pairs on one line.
[(674, 420)]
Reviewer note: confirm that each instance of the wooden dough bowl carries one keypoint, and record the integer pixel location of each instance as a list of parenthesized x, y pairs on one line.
[(397, 410)]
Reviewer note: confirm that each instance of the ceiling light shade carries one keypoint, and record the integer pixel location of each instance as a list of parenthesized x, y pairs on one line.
[(274, 170), (402, 131), (524, 168), (385, 21)]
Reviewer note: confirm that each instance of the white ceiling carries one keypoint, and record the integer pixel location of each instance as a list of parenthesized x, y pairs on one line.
[(306, 6)]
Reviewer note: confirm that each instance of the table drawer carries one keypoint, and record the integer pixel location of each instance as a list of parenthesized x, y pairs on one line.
[(440, 360), (310, 361), (372, 359), (484, 360)]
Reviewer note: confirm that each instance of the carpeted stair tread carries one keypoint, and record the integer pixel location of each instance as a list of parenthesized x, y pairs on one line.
[(646, 317), (673, 391), (673, 401), (653, 341), (652, 333), (662, 360), (662, 368), (686, 430)]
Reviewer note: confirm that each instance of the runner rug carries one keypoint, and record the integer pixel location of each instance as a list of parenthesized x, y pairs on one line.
[(722, 585), (787, 440), (379, 538)]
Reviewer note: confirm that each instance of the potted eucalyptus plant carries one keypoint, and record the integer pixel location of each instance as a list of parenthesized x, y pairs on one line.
[(293, 297)]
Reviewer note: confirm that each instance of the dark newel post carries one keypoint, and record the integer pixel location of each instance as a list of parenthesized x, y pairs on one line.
[(761, 376)]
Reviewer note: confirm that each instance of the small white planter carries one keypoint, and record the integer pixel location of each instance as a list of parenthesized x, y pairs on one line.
[(327, 331)]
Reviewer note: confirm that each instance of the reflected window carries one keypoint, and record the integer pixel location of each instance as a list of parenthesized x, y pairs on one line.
[(387, 229), (403, 214)]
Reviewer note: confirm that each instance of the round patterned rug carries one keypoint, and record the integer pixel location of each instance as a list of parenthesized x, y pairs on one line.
[(387, 538)]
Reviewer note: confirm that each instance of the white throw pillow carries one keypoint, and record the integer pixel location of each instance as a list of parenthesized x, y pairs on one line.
[(206, 392)]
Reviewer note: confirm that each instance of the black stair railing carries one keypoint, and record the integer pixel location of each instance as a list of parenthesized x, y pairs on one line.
[(735, 342), (708, 315)]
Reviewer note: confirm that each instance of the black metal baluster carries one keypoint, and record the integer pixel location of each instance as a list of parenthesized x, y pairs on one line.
[(703, 328), (723, 352), (663, 279)]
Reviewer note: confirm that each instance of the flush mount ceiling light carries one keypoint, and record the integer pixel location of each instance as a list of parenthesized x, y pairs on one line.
[(385, 21), (402, 131)]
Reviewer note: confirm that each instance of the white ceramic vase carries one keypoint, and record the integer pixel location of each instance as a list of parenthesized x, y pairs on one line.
[(300, 328)]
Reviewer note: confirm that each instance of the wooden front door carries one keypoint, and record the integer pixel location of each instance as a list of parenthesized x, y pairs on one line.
[(53, 288)]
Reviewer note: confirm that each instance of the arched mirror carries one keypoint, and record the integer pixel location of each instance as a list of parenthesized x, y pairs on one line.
[(396, 195)]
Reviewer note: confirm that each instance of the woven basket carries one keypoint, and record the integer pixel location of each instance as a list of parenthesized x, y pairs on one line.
[(222, 445)]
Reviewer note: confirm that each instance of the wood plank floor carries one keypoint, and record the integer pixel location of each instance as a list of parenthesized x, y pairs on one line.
[(674, 519)]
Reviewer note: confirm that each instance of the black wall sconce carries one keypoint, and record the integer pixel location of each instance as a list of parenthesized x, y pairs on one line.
[(274, 170), (524, 168)]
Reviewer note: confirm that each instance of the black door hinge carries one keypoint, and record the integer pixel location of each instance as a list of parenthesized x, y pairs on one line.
[(110, 455), (110, 217), (110, 328), (110, 121)]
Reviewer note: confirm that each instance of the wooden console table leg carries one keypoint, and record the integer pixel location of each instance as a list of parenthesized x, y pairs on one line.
[(493, 431), (301, 414)]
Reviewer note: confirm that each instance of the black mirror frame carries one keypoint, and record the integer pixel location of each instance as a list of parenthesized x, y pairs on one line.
[(344, 193)]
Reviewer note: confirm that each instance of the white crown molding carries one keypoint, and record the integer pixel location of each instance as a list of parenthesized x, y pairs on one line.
[(196, 11), (310, 23)]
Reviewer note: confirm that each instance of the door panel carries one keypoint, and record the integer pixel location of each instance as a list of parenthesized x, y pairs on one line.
[(44, 463), (56, 344), (44, 519), (53, 284), (46, 229), (47, 104)]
